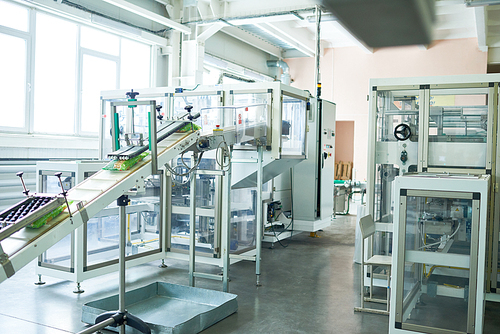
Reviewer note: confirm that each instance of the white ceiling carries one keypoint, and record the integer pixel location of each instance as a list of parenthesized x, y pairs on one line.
[(292, 28)]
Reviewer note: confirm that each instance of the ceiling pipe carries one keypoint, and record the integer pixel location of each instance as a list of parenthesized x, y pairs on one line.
[(285, 76)]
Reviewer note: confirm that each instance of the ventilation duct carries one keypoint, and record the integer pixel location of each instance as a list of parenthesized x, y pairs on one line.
[(285, 76)]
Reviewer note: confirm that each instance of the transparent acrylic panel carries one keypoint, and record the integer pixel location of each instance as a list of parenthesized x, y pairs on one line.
[(205, 184), (13, 79), (197, 101), (13, 16), (433, 292), (140, 119), (51, 185), (394, 108), (251, 98), (394, 157), (59, 254), (293, 131), (243, 222), (205, 199), (55, 36), (458, 124), (98, 74), (205, 233), (383, 200), (250, 125), (143, 226)]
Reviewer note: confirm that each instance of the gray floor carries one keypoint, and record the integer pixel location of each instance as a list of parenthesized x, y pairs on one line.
[(311, 286)]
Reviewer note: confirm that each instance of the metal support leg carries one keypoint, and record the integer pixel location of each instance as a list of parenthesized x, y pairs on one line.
[(120, 318), (192, 225), (162, 265), (258, 238), (226, 223), (78, 288), (40, 282), (122, 202)]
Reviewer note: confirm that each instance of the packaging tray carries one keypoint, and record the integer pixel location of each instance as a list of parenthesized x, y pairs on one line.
[(169, 308)]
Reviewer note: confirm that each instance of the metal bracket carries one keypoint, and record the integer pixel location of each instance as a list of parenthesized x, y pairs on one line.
[(6, 264), (83, 212)]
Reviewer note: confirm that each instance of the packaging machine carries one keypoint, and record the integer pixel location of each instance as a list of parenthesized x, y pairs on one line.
[(261, 126), (442, 124)]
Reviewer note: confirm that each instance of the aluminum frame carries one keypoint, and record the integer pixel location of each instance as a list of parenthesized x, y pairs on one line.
[(428, 185)]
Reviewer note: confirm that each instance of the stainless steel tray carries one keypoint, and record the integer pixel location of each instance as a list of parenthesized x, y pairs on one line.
[(169, 308)]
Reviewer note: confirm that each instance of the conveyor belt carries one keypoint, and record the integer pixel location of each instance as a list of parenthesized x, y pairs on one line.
[(131, 151), (89, 197)]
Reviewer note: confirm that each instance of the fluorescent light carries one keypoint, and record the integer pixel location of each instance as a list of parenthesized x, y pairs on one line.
[(114, 25)]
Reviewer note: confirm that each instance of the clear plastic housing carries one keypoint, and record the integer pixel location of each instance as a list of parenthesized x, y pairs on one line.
[(293, 131), (458, 124), (250, 122)]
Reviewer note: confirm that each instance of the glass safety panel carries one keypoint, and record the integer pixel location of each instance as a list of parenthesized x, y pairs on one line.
[(60, 255), (397, 119), (458, 128), (205, 228), (205, 233), (143, 227), (140, 121), (293, 130), (251, 117), (197, 101), (243, 221), (436, 283)]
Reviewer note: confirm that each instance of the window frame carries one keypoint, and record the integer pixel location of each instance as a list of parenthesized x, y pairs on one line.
[(30, 39)]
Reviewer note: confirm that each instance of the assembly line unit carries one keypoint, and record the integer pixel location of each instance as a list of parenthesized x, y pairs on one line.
[(444, 124), (155, 233)]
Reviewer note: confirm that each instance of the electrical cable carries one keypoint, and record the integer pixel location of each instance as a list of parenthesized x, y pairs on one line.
[(191, 89), (190, 170), (447, 239), (226, 149)]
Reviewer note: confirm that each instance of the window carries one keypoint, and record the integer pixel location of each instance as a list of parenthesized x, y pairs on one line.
[(57, 69), (14, 16), (55, 75), (13, 86), (97, 74)]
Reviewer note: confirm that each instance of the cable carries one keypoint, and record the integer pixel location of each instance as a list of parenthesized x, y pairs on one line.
[(226, 149), (437, 243), (190, 170), (191, 89), (284, 230)]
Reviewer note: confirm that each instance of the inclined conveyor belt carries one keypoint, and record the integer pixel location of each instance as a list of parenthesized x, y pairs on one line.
[(89, 197)]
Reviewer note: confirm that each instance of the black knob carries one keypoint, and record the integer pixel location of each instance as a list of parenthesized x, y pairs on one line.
[(188, 108), (20, 174), (132, 94)]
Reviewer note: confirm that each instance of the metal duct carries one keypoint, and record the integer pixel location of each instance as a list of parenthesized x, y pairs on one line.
[(285, 76)]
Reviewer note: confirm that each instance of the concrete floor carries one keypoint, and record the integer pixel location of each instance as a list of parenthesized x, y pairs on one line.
[(311, 286)]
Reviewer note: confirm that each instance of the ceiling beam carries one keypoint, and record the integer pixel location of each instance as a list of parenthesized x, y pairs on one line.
[(149, 15), (481, 28), (209, 31), (252, 40)]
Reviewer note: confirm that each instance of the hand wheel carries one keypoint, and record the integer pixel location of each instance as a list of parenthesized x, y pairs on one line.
[(402, 131)]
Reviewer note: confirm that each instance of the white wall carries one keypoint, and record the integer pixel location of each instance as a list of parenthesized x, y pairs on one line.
[(346, 73)]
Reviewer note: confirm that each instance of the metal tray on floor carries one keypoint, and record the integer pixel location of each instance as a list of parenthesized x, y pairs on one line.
[(169, 308)]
